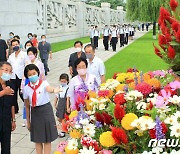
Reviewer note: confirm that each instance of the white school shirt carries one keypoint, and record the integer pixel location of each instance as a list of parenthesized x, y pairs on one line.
[(91, 33), (96, 32), (97, 68), (114, 33), (18, 64), (105, 32), (63, 92), (127, 30), (41, 93), (121, 30)]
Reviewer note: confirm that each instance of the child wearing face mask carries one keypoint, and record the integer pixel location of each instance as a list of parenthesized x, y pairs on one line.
[(61, 100)]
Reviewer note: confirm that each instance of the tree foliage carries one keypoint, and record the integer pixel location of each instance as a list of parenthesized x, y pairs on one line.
[(143, 10), (114, 3)]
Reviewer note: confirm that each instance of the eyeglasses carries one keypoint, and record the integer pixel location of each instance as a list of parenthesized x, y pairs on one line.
[(7, 71)]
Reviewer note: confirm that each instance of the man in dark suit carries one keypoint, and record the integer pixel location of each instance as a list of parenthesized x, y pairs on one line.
[(3, 50), (7, 109)]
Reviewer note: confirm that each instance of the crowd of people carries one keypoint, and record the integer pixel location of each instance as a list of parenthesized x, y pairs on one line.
[(111, 35), (23, 71)]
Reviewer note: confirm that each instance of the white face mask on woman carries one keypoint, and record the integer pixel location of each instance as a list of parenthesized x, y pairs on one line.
[(78, 49), (82, 71)]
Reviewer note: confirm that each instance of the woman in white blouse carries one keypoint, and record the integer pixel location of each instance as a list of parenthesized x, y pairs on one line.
[(80, 85)]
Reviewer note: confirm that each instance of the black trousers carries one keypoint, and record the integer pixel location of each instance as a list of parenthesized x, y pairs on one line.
[(46, 68), (92, 41), (126, 38), (121, 40), (96, 41), (17, 85), (114, 42), (5, 140), (106, 42)]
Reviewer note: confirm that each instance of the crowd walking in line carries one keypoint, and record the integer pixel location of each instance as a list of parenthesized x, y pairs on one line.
[(23, 71)]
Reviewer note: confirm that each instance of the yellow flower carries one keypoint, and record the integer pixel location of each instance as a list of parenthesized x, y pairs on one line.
[(68, 151), (75, 134), (73, 114), (120, 87), (89, 107), (127, 120), (57, 152), (120, 78), (92, 94), (106, 139)]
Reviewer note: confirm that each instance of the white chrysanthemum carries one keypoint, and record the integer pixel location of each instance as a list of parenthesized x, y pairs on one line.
[(90, 112), (87, 151), (77, 126), (141, 105), (152, 99), (133, 95), (144, 123), (72, 144), (175, 130), (110, 84), (92, 117), (157, 150), (175, 152), (89, 130), (175, 99), (103, 100), (173, 119), (102, 106), (84, 121), (146, 152)]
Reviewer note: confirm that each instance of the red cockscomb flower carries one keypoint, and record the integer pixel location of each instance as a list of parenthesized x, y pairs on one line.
[(173, 4), (171, 52), (119, 98), (119, 135), (132, 70), (157, 51), (177, 35), (119, 112), (162, 40), (164, 15), (144, 88), (99, 117), (107, 118), (175, 25)]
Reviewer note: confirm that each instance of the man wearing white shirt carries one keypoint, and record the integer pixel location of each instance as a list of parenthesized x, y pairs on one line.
[(96, 37), (106, 32), (114, 37), (121, 32), (17, 60), (95, 64)]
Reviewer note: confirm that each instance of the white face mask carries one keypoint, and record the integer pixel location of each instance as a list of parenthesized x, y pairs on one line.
[(43, 40), (78, 49)]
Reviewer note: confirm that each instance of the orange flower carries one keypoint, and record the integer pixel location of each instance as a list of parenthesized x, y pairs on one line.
[(154, 83), (120, 87)]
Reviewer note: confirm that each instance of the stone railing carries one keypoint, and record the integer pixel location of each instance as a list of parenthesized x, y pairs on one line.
[(58, 19)]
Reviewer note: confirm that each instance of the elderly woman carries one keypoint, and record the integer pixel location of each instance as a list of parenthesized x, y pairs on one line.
[(80, 85)]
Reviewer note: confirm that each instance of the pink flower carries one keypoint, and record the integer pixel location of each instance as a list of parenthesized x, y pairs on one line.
[(162, 101), (175, 85), (159, 73), (144, 88), (106, 152), (61, 146)]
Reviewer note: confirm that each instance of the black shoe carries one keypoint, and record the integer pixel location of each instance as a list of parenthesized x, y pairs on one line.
[(46, 73)]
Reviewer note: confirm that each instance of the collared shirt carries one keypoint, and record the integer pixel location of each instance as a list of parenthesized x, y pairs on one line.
[(44, 50), (41, 93), (63, 92), (121, 30), (106, 32), (114, 33), (78, 87), (127, 30), (91, 33), (18, 64), (96, 32), (97, 68), (73, 57)]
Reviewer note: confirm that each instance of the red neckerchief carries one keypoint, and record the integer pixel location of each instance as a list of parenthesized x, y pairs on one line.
[(34, 98)]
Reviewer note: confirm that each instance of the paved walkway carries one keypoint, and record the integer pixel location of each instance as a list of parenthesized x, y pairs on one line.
[(20, 137)]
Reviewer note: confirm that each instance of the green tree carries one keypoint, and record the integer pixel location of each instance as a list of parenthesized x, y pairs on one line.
[(144, 11)]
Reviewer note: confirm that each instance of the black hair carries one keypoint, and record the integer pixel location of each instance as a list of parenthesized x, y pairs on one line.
[(89, 45), (15, 40), (27, 43), (16, 36), (29, 68), (35, 35), (33, 50), (4, 63), (64, 76), (78, 42), (43, 35), (80, 60), (96, 26), (29, 34), (11, 33)]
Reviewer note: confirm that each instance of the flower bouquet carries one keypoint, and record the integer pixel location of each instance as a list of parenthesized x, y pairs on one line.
[(132, 113), (169, 37)]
